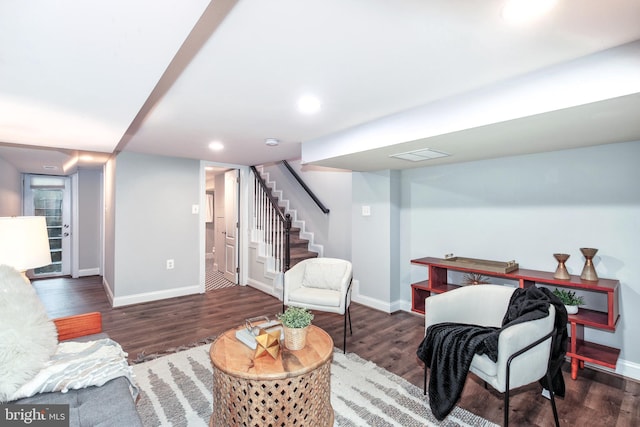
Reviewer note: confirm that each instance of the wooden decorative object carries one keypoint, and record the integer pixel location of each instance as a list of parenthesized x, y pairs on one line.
[(561, 271), (268, 343), (589, 271), (479, 264)]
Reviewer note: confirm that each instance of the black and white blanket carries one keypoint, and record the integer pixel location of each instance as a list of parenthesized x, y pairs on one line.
[(448, 348)]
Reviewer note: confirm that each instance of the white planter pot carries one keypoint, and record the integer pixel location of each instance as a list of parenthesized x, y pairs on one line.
[(571, 309)]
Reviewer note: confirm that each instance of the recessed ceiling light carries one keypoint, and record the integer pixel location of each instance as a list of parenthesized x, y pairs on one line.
[(271, 142), (521, 11), (216, 146), (308, 104)]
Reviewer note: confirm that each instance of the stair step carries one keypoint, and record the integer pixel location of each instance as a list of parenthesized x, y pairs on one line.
[(298, 255)]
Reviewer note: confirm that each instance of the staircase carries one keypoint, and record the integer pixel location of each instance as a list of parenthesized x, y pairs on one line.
[(299, 247), (300, 240)]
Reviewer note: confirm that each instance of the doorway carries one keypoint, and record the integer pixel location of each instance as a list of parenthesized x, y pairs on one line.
[(49, 196), (221, 248)]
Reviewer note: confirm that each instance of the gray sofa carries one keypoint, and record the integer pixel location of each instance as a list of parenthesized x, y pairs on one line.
[(108, 405)]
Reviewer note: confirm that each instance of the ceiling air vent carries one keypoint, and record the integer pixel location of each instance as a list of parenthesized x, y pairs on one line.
[(420, 155), (50, 168)]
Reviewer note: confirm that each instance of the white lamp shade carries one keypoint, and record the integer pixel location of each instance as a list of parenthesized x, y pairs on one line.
[(24, 242)]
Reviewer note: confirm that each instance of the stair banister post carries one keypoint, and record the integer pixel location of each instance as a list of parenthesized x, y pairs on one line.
[(287, 254), (287, 232)]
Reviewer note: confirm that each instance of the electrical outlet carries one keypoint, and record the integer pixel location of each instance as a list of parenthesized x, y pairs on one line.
[(170, 264)]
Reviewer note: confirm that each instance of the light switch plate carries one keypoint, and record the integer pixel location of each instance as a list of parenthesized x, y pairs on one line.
[(195, 209), (366, 210)]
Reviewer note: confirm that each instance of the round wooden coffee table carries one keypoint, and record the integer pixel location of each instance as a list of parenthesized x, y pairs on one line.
[(293, 389)]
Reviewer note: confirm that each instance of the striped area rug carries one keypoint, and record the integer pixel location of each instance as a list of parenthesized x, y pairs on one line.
[(175, 390)]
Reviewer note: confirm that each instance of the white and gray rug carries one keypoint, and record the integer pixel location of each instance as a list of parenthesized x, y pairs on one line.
[(175, 390)]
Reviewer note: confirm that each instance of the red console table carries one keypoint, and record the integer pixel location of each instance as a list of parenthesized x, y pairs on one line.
[(579, 350)]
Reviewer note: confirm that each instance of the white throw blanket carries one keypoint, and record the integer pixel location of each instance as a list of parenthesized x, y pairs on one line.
[(77, 365)]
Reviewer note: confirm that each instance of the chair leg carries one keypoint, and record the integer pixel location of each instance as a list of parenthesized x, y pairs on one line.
[(344, 335), (424, 385), (553, 399), (344, 332), (506, 408)]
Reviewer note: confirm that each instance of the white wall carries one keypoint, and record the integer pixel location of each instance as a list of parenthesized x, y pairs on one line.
[(10, 190), (89, 229), (528, 207), (108, 274), (153, 222), (333, 189)]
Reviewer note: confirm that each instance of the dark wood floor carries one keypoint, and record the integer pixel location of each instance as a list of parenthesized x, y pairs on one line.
[(389, 340)]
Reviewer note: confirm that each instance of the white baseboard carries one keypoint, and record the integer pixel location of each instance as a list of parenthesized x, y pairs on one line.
[(156, 295), (628, 369), (267, 289), (107, 290), (89, 272), (368, 301)]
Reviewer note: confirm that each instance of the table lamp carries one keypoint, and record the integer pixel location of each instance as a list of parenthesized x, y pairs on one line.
[(24, 243)]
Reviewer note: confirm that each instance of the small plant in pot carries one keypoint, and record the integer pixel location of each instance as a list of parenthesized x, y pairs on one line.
[(570, 300), (295, 321)]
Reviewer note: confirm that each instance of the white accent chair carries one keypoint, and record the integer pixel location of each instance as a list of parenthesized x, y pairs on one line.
[(322, 284), (524, 349)]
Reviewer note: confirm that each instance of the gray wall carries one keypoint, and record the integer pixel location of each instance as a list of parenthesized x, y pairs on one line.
[(153, 222), (376, 239), (10, 190), (89, 201), (528, 207), (333, 189)]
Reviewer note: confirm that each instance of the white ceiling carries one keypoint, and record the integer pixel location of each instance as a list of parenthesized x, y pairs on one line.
[(166, 77)]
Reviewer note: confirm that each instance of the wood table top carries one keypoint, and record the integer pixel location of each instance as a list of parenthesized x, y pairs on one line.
[(233, 357)]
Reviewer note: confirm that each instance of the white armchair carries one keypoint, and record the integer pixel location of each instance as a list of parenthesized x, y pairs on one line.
[(524, 349), (322, 284)]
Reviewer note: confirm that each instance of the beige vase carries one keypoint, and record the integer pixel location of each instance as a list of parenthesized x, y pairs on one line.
[(295, 338)]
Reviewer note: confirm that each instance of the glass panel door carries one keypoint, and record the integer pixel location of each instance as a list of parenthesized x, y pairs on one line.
[(48, 196)]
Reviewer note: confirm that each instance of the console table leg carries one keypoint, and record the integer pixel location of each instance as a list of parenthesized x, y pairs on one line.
[(574, 368)]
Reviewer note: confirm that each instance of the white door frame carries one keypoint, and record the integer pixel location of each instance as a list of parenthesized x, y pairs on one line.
[(243, 219), (68, 219)]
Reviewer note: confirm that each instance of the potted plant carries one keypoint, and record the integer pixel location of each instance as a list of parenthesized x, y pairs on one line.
[(295, 322), (570, 300)]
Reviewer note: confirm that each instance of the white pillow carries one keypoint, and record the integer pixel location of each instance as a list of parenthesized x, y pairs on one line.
[(28, 337), (323, 275)]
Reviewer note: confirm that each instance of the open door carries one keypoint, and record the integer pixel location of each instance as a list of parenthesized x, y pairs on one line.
[(231, 187), (226, 224)]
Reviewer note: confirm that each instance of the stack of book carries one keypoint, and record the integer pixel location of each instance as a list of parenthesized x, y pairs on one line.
[(253, 328)]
